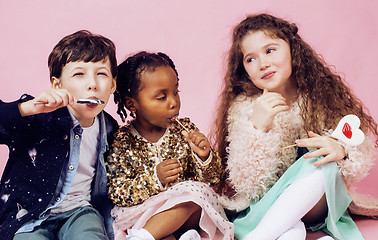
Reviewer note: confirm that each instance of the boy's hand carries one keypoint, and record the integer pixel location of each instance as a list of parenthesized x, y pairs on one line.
[(327, 147), (168, 170), (199, 143), (47, 101), (266, 107)]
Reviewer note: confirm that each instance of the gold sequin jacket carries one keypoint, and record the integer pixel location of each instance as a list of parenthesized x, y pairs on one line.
[(131, 165)]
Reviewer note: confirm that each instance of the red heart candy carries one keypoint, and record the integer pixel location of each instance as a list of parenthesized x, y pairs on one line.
[(347, 130)]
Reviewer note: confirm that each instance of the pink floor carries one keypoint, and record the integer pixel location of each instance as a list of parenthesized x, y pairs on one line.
[(367, 226)]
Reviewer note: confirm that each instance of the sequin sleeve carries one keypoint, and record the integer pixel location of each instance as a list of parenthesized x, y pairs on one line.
[(212, 172), (209, 173), (130, 171)]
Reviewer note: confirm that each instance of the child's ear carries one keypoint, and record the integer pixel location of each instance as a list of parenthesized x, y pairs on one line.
[(55, 83), (114, 85), (130, 104)]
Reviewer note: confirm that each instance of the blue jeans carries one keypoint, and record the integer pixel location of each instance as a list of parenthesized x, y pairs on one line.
[(78, 224)]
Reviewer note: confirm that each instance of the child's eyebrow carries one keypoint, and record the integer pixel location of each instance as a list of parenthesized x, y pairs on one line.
[(78, 67), (163, 90), (271, 44), (75, 69), (159, 91), (104, 67)]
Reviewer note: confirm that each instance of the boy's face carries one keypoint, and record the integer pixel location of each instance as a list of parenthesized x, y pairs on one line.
[(87, 80)]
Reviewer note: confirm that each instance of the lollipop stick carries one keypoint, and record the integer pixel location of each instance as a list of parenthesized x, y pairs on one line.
[(289, 146), (81, 101), (182, 125)]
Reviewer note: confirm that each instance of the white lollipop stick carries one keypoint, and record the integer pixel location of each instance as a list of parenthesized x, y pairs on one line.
[(81, 101), (182, 125)]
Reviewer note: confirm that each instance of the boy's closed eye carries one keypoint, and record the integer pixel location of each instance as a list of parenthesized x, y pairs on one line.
[(78, 74), (103, 74)]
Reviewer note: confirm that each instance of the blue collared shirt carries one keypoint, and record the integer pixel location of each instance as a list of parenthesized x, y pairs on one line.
[(67, 176)]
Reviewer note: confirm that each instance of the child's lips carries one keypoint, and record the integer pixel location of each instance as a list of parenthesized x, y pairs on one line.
[(268, 75), (173, 118)]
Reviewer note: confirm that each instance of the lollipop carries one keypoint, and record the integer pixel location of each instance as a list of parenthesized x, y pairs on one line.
[(348, 131)]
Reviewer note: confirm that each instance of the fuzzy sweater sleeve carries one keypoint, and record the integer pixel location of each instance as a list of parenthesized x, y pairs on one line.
[(359, 160), (255, 160), (250, 151)]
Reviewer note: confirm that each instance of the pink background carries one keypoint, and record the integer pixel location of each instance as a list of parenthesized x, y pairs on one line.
[(195, 34)]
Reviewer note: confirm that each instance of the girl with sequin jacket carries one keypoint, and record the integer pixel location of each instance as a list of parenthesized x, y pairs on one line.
[(161, 169)]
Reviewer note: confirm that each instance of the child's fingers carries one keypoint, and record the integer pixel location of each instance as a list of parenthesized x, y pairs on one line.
[(311, 134), (327, 159), (269, 96), (171, 178), (55, 98), (315, 142), (63, 97), (203, 144), (168, 170), (197, 139), (279, 108), (169, 164), (316, 153), (66, 97), (194, 136), (173, 171)]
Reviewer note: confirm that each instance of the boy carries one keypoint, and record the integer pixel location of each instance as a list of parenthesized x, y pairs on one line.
[(54, 183)]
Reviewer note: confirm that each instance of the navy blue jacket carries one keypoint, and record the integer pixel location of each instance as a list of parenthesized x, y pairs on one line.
[(31, 184)]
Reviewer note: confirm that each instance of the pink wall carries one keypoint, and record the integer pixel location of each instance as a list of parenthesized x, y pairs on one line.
[(196, 34)]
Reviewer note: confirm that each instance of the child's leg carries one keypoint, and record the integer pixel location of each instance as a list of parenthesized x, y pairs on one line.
[(181, 217), (298, 231), (84, 223), (38, 234), (300, 197)]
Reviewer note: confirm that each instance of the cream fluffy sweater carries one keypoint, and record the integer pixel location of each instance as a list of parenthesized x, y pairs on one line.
[(256, 161)]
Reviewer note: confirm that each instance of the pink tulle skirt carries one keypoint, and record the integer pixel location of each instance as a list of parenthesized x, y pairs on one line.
[(213, 222)]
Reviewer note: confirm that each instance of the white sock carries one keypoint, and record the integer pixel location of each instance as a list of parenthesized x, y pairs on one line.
[(139, 234), (190, 235), (296, 200)]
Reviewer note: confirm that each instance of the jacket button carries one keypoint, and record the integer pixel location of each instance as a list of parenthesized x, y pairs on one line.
[(76, 136), (71, 167), (57, 199)]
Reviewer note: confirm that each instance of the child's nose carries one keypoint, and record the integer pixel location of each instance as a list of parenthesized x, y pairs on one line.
[(173, 103), (264, 63), (92, 84)]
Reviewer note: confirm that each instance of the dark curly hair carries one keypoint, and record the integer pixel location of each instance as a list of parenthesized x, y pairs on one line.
[(326, 97), (129, 74)]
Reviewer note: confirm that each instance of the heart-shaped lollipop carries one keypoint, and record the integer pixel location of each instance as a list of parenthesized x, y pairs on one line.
[(348, 130)]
